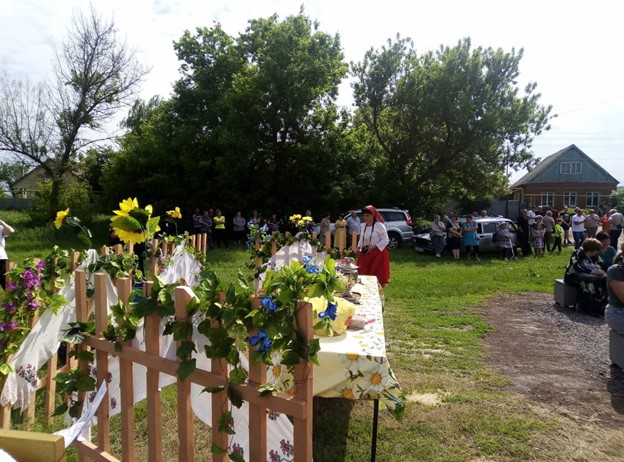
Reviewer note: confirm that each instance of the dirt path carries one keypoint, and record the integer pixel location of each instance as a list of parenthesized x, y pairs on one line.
[(559, 360)]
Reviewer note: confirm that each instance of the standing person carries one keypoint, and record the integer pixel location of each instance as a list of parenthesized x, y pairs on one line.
[(470, 238), (325, 228), (537, 234), (353, 226), (605, 226), (566, 229), (206, 226), (578, 228), (219, 229), (197, 221), (238, 223), (373, 256), (340, 234), (591, 223), (616, 220), (549, 227), (453, 235), (311, 225), (523, 233), (273, 223), (558, 235), (5, 230), (503, 241), (438, 235)]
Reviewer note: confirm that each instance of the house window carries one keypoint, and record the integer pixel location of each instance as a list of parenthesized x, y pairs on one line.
[(570, 168), (548, 199), (569, 199), (593, 199)]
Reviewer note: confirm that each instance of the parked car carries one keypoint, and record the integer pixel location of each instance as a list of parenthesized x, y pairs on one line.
[(398, 224), (486, 227)]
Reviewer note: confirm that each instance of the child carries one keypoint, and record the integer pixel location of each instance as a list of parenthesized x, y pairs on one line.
[(537, 233), (558, 234)]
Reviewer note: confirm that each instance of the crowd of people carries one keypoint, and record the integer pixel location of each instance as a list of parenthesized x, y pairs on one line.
[(373, 257)]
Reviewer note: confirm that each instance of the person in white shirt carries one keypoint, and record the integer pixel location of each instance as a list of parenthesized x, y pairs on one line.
[(373, 258), (5, 230), (578, 228)]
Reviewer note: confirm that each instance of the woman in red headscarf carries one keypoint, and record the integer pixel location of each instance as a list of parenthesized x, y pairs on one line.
[(373, 259)]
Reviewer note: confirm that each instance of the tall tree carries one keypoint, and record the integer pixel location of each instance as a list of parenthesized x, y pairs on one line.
[(252, 124), (446, 124), (95, 74)]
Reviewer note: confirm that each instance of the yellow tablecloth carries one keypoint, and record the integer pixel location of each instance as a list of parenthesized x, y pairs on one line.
[(354, 365)]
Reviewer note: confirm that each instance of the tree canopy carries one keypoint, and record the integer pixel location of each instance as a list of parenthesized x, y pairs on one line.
[(252, 122), (446, 124)]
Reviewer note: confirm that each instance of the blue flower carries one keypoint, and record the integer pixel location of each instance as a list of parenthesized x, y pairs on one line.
[(307, 259), (330, 311), (262, 340), (268, 304), (313, 269)]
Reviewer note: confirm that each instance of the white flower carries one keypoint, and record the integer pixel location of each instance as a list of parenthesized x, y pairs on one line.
[(354, 363), (377, 379)]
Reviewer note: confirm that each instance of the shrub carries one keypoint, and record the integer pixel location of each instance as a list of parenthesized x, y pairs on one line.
[(75, 195)]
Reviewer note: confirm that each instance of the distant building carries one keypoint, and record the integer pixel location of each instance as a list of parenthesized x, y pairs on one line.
[(567, 178)]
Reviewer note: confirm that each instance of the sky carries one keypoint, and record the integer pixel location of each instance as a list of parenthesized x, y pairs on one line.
[(572, 50)]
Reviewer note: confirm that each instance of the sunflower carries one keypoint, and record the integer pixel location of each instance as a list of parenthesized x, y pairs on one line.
[(60, 218), (175, 213), (132, 224), (127, 206)]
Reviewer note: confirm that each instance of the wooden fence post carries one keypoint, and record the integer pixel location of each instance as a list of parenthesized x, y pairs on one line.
[(303, 388), (257, 412), (185, 413), (154, 416), (354, 239), (101, 324), (126, 382), (219, 402), (82, 315)]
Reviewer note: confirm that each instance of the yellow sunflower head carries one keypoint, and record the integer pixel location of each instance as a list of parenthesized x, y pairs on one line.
[(126, 206), (175, 213), (60, 218)]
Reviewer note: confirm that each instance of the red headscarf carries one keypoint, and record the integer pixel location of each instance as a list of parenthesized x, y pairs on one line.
[(376, 215)]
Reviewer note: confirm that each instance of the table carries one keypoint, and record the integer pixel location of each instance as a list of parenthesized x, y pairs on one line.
[(355, 365)]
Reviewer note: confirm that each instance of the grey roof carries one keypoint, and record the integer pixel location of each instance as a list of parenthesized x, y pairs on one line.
[(551, 159)]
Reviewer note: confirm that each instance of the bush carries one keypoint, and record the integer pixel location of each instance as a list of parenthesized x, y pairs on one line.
[(75, 195)]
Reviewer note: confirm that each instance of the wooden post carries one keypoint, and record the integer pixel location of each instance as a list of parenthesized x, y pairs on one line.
[(257, 247), (185, 413), (327, 240), (303, 387), (153, 258), (219, 402), (257, 412), (354, 241), (101, 324), (105, 250), (126, 382), (119, 249), (273, 247), (154, 416), (204, 238), (82, 315)]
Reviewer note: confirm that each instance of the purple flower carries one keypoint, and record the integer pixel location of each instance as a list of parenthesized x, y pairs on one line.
[(11, 286), (268, 305), (40, 265), (238, 449), (262, 340), (34, 305), (9, 326), (329, 312), (9, 307)]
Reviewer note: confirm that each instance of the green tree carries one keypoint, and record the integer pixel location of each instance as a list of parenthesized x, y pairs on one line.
[(95, 74), (447, 124), (252, 124)]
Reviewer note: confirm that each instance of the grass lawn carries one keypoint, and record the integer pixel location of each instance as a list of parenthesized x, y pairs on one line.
[(434, 333)]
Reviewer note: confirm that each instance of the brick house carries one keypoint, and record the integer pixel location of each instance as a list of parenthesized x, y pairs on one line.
[(567, 178)]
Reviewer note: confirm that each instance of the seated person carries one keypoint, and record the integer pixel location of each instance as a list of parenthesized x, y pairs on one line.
[(587, 272), (607, 254), (614, 313)]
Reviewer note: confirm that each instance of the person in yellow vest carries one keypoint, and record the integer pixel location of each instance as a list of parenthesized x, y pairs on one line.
[(219, 229), (558, 234)]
